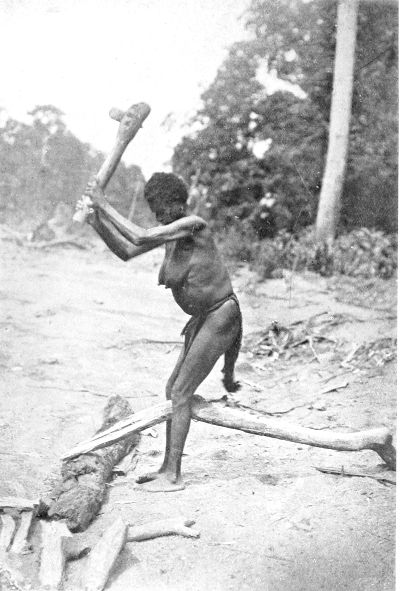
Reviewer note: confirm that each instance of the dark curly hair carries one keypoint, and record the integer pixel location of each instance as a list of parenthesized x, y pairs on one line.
[(166, 187)]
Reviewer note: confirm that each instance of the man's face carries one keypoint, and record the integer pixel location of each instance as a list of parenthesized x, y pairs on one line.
[(168, 212)]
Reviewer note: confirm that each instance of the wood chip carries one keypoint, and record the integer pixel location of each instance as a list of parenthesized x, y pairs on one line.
[(341, 472)]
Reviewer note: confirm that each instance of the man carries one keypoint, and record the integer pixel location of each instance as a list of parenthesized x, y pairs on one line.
[(200, 284)]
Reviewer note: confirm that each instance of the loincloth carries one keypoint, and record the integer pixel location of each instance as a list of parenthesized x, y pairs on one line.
[(192, 327)]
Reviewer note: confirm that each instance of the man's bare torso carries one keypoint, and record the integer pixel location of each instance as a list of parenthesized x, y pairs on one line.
[(193, 270)]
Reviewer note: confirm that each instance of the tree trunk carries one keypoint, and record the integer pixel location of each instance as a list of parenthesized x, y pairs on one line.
[(332, 184)]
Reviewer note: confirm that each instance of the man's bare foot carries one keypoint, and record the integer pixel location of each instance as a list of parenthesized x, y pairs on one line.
[(162, 483), (148, 477)]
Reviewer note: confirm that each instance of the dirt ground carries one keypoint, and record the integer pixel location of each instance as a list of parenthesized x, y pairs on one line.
[(78, 326)]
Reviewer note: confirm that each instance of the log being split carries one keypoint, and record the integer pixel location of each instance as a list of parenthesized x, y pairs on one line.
[(378, 440), (79, 495)]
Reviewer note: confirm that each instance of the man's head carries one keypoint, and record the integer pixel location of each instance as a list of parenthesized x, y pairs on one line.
[(166, 195)]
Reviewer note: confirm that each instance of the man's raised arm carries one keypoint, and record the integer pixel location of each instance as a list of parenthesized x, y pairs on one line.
[(137, 235), (115, 241)]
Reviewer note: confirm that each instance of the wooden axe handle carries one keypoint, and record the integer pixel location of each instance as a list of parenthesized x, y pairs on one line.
[(130, 122)]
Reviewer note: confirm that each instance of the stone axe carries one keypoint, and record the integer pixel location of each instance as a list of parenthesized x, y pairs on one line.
[(130, 122)]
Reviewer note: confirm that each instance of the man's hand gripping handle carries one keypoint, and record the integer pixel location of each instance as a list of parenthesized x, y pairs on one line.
[(130, 122)]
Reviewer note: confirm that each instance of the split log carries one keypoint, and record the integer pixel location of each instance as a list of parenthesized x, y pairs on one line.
[(104, 555), (20, 544), (176, 526), (78, 497), (18, 503), (133, 424), (53, 554), (7, 532), (378, 440), (58, 546)]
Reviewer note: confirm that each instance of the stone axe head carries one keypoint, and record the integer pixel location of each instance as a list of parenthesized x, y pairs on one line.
[(130, 121)]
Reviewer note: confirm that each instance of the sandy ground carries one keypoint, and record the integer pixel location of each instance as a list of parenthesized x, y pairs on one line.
[(77, 326)]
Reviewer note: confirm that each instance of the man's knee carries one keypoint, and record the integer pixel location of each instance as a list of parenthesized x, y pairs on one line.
[(180, 398)]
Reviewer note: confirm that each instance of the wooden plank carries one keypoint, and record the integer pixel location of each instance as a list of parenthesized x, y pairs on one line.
[(133, 424), (20, 543), (104, 555), (8, 527), (18, 503), (53, 555)]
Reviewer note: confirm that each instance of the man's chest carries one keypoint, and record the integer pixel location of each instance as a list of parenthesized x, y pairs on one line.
[(177, 262)]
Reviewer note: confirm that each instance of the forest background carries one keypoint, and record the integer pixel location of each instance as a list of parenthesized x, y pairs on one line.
[(254, 161)]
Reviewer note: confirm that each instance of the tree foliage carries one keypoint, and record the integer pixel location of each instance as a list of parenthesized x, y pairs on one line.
[(296, 39), (44, 164)]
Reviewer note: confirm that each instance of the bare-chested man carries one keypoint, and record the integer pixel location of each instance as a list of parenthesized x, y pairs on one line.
[(199, 281)]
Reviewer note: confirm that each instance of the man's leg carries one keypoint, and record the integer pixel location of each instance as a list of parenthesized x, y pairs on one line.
[(171, 380), (213, 339)]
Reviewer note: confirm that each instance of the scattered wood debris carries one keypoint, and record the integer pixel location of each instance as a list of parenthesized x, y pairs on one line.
[(104, 554), (175, 526), (373, 354), (56, 545), (302, 337), (277, 340), (342, 472)]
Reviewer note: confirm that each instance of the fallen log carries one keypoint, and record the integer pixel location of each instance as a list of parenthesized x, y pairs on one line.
[(79, 495), (378, 440)]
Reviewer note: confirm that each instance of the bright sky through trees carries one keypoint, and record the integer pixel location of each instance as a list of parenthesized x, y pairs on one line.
[(84, 56)]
